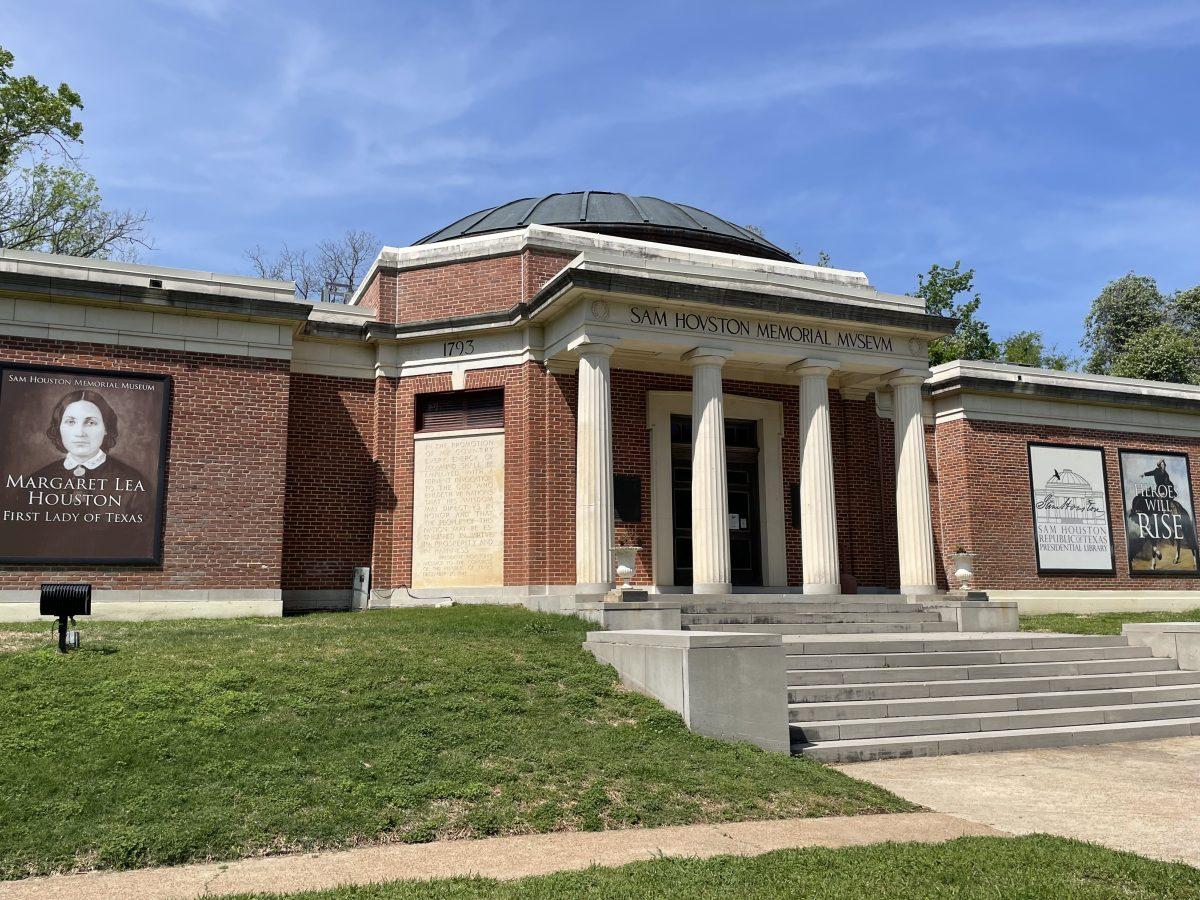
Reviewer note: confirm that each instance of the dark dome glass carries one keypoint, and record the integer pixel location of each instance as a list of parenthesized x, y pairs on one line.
[(621, 215)]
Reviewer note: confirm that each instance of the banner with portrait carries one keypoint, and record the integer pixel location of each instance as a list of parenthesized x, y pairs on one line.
[(1160, 520), (1072, 532), (82, 462)]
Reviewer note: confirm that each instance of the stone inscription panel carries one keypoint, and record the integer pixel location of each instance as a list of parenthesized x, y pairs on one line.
[(458, 511)]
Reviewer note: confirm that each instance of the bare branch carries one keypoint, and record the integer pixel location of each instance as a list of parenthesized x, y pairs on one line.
[(337, 267)]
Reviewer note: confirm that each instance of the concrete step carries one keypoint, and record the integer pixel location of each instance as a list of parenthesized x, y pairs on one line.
[(941, 706), (909, 726), (835, 628), (810, 606), (969, 642), (802, 617), (859, 750), (804, 677), (979, 687), (796, 596), (960, 658)]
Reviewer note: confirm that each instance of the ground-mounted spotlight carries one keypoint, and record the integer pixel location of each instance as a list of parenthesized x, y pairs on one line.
[(66, 601)]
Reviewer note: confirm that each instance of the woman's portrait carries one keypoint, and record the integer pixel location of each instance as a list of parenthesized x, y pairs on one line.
[(84, 428)]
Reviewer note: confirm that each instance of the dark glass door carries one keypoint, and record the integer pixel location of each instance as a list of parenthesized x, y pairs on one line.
[(745, 556), (745, 547)]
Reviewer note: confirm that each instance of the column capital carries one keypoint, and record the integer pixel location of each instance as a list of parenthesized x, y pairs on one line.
[(593, 345), (906, 376), (813, 366), (707, 356)]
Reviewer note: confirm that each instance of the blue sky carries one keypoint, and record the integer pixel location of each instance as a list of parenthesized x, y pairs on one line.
[(1052, 146)]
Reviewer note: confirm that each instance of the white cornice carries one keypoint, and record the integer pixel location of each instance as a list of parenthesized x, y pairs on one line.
[(107, 272), (1007, 376), (727, 278)]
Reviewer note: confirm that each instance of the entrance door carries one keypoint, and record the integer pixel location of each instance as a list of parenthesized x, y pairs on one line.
[(745, 546)]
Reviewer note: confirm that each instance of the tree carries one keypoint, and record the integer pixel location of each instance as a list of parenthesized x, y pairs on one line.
[(1162, 352), (327, 272), (47, 202), (1183, 309), (58, 209), (1127, 307), (1028, 348), (941, 287), (823, 258), (31, 114)]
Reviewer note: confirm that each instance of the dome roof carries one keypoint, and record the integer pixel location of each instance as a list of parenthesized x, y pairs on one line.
[(621, 215), (1066, 476)]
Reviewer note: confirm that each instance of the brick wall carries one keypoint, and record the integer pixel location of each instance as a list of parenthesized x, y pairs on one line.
[(985, 502), (225, 469), (330, 500), (539, 474), (865, 488), (461, 288)]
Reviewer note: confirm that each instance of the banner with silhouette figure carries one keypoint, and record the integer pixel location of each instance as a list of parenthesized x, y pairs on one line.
[(1160, 521), (1072, 531)]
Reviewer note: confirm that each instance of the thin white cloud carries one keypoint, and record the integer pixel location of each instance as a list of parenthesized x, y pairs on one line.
[(810, 77), (1166, 224), (1045, 26)]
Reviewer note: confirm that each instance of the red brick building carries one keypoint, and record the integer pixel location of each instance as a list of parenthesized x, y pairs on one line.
[(501, 405)]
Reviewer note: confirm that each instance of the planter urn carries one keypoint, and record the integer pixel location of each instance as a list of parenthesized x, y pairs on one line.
[(964, 568), (625, 559)]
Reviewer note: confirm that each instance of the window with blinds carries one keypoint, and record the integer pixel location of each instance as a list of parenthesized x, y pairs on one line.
[(458, 410)]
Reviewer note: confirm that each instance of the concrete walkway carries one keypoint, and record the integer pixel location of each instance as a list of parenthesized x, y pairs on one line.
[(1143, 797), (506, 858)]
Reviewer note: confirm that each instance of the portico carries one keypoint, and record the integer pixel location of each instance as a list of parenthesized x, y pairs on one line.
[(809, 351)]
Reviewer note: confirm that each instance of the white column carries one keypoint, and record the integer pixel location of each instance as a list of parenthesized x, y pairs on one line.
[(593, 471), (914, 520), (818, 512), (710, 494)]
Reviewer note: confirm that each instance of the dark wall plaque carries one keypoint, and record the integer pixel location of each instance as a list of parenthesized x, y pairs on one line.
[(627, 498)]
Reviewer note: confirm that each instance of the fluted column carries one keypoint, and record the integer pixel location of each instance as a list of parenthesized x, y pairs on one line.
[(593, 471), (818, 511), (711, 572), (914, 519)]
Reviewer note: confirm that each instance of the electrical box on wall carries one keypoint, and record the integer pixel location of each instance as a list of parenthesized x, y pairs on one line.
[(360, 593)]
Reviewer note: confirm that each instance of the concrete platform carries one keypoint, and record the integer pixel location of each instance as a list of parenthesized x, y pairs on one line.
[(1141, 797)]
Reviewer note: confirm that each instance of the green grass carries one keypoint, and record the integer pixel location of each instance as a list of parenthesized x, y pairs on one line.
[(1101, 623), (165, 742), (975, 867)]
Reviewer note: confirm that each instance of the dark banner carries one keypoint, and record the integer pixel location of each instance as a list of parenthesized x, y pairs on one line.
[(82, 457), (1160, 521)]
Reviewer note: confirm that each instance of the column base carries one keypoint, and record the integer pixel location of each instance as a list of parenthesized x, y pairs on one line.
[(919, 589), (600, 587), (835, 588), (712, 587)]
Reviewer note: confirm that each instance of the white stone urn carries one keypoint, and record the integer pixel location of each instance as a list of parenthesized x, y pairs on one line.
[(964, 568), (625, 559)]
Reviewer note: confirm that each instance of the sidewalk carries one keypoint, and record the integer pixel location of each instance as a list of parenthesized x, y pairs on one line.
[(1141, 796), (504, 858)]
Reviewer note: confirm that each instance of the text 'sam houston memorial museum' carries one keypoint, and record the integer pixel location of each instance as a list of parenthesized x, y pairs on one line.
[(823, 544)]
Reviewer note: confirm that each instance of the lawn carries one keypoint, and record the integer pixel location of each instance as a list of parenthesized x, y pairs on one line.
[(1101, 623), (974, 867), (166, 742)]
